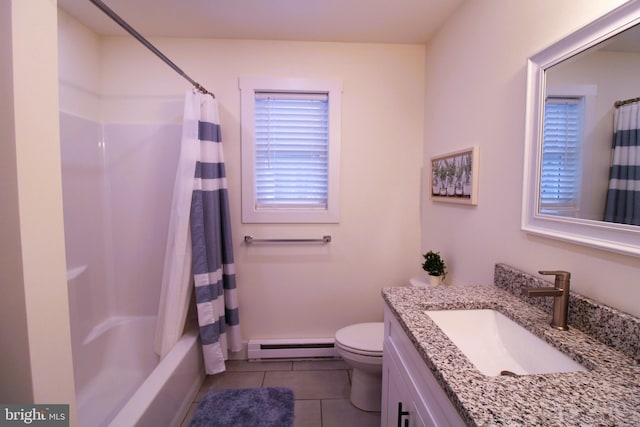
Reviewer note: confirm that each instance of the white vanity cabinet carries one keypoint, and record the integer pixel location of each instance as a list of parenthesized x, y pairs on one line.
[(399, 403), (409, 386)]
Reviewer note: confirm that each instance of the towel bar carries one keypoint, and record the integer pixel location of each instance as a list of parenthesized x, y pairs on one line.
[(250, 239)]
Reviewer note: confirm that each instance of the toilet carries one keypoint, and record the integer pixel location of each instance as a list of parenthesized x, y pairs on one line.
[(360, 346)]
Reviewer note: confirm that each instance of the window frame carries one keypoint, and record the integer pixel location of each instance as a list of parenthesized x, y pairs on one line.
[(249, 86)]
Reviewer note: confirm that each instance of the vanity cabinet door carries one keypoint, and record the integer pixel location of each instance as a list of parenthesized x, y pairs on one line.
[(406, 379), (399, 408)]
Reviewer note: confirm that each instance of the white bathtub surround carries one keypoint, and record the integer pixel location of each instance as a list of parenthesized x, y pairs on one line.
[(114, 240), (102, 388), (119, 377)]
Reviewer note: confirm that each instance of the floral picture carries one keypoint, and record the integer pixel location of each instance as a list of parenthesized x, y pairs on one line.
[(454, 177)]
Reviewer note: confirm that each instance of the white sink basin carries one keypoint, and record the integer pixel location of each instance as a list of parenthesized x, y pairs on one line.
[(496, 345)]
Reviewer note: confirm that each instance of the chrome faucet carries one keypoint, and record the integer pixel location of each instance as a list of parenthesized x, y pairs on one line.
[(560, 294)]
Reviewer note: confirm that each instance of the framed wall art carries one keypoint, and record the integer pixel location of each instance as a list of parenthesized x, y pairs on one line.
[(454, 177)]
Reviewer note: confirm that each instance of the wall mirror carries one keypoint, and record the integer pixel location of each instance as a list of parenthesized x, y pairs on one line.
[(575, 87)]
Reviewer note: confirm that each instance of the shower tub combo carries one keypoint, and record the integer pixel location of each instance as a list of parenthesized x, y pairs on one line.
[(116, 211)]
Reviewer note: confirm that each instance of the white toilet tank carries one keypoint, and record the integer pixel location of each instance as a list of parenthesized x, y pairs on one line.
[(418, 282)]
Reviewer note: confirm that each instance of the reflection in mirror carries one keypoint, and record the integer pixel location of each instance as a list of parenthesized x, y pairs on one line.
[(581, 121), (578, 187)]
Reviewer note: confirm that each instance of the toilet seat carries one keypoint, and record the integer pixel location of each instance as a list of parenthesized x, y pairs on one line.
[(362, 338), (360, 346)]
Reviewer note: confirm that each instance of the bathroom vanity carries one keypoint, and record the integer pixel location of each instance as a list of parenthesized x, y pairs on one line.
[(427, 380), (411, 395)]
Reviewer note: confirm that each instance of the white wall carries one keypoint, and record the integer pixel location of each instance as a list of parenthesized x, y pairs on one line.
[(36, 284), (298, 291), (79, 52), (15, 370), (475, 94)]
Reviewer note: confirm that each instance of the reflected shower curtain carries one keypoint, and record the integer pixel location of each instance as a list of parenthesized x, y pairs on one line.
[(623, 196), (200, 242)]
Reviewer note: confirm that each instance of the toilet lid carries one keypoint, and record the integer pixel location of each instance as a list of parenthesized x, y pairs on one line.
[(366, 337), (418, 282)]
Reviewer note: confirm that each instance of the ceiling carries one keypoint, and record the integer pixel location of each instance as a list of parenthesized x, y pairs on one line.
[(362, 21)]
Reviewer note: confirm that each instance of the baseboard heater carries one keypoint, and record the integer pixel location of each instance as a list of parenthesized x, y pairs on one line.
[(300, 348)]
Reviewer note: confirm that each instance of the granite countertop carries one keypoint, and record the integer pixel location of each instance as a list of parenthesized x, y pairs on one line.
[(608, 393)]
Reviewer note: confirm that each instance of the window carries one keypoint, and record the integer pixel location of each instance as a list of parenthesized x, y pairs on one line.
[(291, 144), (290, 150), (562, 137)]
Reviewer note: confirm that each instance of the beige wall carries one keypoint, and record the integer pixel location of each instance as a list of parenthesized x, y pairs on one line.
[(35, 281), (475, 94), (79, 52), (308, 291), (293, 290), (15, 369)]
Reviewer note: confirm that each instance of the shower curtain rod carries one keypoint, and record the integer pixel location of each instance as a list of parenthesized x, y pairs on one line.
[(111, 14), (625, 102)]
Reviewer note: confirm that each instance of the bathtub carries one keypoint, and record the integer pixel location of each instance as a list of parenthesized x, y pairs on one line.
[(164, 397), (121, 382), (115, 243)]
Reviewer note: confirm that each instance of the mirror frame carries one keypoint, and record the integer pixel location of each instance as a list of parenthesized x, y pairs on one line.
[(614, 237)]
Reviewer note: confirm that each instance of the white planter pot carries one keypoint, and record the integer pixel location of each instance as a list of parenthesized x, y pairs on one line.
[(434, 280)]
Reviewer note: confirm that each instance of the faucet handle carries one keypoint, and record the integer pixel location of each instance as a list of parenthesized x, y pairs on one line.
[(562, 278), (565, 275)]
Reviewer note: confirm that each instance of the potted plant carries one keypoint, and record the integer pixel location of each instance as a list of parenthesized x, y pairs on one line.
[(435, 267), (466, 187), (442, 170), (451, 174), (436, 178), (459, 173)]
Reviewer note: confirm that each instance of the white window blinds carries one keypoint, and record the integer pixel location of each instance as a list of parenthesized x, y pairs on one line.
[(563, 124), (291, 150)]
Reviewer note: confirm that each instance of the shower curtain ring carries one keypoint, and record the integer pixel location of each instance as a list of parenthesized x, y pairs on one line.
[(201, 89)]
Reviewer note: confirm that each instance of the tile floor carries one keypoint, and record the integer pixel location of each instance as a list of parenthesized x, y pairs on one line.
[(320, 388)]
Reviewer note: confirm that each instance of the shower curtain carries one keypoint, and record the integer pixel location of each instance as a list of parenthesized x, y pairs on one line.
[(623, 196), (199, 252)]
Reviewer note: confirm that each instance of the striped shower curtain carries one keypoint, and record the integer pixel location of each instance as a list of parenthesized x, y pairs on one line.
[(623, 196), (199, 246), (212, 246)]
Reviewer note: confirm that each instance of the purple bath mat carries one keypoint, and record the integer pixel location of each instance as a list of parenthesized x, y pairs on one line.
[(245, 407)]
